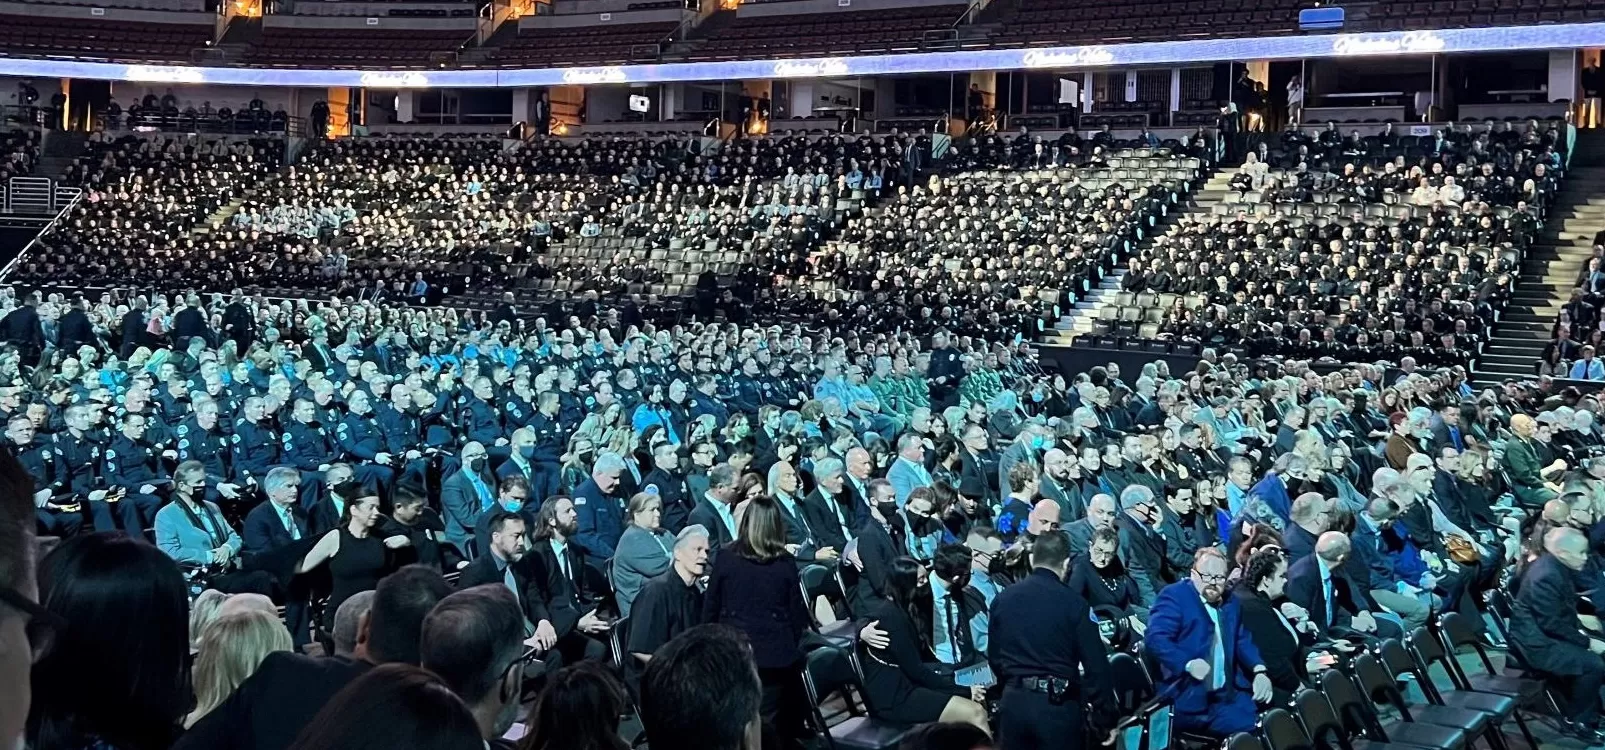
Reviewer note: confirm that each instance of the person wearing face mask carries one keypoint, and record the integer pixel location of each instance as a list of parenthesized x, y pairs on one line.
[(1054, 689), (512, 496), (192, 531), (897, 684), (465, 495), (669, 484), (879, 541), (521, 450), (1027, 447), (1205, 652)]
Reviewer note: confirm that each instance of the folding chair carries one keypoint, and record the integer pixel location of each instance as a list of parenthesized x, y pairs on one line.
[(828, 672)]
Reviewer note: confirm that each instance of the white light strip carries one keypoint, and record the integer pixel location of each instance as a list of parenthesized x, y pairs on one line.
[(1493, 39)]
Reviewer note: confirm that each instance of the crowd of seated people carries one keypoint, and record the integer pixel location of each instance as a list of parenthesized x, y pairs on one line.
[(307, 453), (19, 152), (144, 195), (1356, 248)]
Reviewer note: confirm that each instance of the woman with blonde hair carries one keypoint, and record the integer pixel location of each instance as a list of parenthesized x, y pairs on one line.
[(231, 648), (201, 614)]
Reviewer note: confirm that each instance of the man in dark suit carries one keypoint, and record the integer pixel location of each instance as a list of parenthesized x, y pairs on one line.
[(1101, 512), (190, 322), (1195, 632), (74, 330), (132, 328), (503, 563), (864, 573), (1319, 585), (1061, 483), (1372, 566), (568, 582), (1543, 624), (1142, 548), (275, 703), (239, 325), (715, 510), (1309, 520), (824, 508), (276, 540)]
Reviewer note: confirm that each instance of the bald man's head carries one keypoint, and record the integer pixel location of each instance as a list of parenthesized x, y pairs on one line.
[(1101, 511), (1044, 518), (1332, 547), (1523, 425), (1568, 546), (1557, 511)]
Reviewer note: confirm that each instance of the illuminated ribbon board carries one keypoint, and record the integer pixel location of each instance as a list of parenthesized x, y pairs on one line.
[(1494, 39)]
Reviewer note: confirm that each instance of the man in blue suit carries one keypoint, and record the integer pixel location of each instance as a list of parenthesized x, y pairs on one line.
[(1207, 657)]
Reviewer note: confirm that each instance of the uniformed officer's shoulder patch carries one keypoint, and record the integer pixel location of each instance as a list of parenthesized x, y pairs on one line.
[(343, 428), (651, 489), (110, 454), (183, 430), (692, 404), (183, 445), (239, 422), (44, 453), (287, 439), (579, 501), (235, 438)]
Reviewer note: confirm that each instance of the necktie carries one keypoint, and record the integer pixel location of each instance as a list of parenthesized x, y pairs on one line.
[(562, 560), (1217, 669), (511, 583), (1326, 591), (289, 525)]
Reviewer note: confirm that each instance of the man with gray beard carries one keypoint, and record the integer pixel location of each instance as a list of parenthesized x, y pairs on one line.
[(474, 640)]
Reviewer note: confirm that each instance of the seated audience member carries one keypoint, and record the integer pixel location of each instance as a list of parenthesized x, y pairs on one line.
[(1101, 513), (231, 648), (1321, 586), (202, 611), (474, 641), (643, 551), (398, 706), (504, 563), (561, 572), (754, 588), (1196, 633), (1101, 579), (1309, 518), (512, 495), (1379, 556), (1544, 627), (958, 615), (899, 686), (579, 708), (122, 608), (878, 537), (192, 531), (465, 495), (671, 603), (348, 622), (270, 708), (421, 525), (701, 691), (1530, 479), (1284, 642)]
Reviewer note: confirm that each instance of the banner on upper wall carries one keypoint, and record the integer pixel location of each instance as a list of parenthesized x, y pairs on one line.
[(1495, 39)]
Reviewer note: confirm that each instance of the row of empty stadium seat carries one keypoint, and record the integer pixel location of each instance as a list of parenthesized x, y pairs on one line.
[(89, 37), (829, 31), (405, 47), (583, 44)]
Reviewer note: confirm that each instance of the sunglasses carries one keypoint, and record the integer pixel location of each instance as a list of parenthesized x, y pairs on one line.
[(42, 624)]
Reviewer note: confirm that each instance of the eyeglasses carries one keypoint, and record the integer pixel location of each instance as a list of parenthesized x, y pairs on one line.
[(42, 624), (1206, 578)]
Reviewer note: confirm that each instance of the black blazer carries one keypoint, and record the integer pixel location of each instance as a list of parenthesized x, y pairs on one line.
[(568, 598), (531, 598), (705, 514), (274, 704), (876, 551), (892, 674), (818, 509), (1282, 650), (764, 601), (1304, 589), (267, 545)]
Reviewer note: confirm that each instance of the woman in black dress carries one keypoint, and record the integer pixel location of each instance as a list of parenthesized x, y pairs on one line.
[(897, 684), (1101, 579), (356, 555)]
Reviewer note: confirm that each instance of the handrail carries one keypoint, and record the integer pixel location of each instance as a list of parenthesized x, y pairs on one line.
[(11, 266)]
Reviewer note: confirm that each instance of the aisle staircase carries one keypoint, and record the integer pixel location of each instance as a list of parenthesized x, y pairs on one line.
[(1102, 301), (1551, 269), (61, 149)]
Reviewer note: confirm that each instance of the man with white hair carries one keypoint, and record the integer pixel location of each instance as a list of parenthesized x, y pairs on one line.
[(1142, 547), (1544, 625), (671, 603)]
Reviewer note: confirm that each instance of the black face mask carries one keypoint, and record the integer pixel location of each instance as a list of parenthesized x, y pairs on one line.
[(888, 511), (923, 525), (476, 464)]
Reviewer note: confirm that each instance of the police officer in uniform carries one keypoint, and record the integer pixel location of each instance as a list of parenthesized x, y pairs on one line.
[(1049, 658), (132, 464), (309, 448), (551, 440), (945, 371), (39, 460), (359, 434), (77, 456), (201, 439), (666, 481), (254, 447)]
